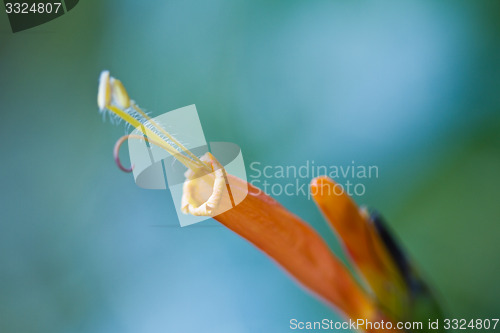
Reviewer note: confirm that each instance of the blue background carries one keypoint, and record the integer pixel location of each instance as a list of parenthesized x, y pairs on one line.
[(411, 87)]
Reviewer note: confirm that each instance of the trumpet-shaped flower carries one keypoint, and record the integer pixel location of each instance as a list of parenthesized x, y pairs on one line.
[(392, 289)]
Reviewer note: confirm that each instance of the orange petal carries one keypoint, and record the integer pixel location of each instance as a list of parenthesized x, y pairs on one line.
[(296, 247), (362, 244)]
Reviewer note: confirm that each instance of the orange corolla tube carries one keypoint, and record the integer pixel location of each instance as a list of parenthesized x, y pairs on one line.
[(363, 245), (298, 248)]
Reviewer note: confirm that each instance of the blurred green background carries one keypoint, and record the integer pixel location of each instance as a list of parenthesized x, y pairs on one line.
[(411, 87)]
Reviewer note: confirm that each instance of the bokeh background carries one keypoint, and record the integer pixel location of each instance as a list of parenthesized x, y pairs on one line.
[(411, 87)]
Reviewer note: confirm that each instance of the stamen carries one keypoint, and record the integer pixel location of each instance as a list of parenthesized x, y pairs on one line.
[(113, 96), (205, 175), (170, 137)]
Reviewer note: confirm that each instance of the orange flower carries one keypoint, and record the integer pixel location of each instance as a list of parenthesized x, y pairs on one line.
[(395, 291), (363, 244)]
